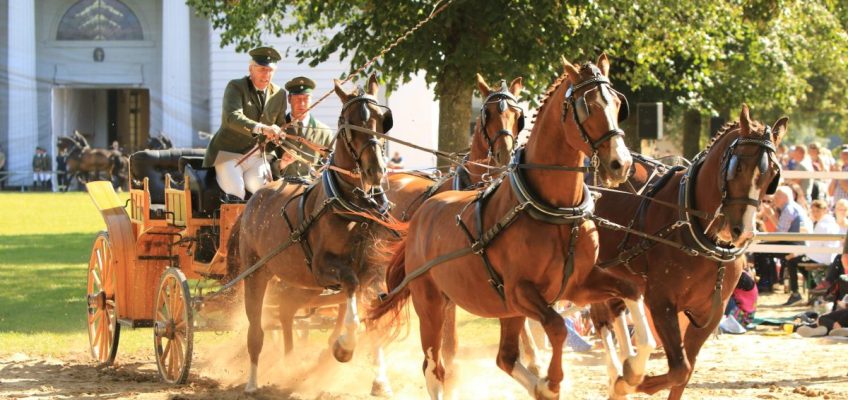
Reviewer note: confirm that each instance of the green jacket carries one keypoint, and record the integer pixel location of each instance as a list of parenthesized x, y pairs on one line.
[(315, 132), (240, 113), (41, 163)]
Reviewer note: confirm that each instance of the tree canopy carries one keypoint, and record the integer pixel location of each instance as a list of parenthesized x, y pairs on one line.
[(779, 56)]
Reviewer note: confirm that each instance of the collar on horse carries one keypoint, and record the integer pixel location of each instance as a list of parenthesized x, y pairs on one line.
[(538, 209)]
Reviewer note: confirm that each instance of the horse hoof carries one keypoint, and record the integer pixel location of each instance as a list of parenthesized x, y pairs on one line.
[(622, 388), (250, 389), (629, 376), (341, 354), (543, 392), (381, 389)]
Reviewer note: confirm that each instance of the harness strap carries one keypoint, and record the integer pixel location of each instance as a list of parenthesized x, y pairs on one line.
[(568, 262), (716, 303)]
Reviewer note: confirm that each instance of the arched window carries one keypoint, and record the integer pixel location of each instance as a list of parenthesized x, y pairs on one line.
[(99, 20)]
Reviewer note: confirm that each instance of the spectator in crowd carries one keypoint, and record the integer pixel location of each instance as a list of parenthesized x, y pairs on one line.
[(820, 162), (396, 162), (823, 222), (839, 187), (792, 218), (764, 263), (799, 196), (741, 306), (840, 214), (834, 323), (801, 162), (41, 168)]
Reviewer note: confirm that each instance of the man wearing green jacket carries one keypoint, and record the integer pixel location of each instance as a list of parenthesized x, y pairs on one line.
[(252, 107), (305, 125)]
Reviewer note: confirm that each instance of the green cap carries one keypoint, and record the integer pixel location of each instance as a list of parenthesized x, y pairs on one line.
[(300, 85), (265, 56)]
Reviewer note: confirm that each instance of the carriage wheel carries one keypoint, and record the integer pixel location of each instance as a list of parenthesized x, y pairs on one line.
[(103, 329), (173, 330)]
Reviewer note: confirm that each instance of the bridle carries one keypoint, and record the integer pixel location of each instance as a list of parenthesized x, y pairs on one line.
[(504, 100), (344, 131), (580, 108), (730, 162)]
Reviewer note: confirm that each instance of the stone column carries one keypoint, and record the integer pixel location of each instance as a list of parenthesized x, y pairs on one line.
[(23, 93), (176, 73)]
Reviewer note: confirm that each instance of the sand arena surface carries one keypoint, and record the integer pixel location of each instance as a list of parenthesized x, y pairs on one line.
[(755, 365)]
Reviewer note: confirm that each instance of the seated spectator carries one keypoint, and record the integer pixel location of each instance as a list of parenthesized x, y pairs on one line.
[(823, 222), (834, 323), (839, 187), (792, 219), (840, 213), (395, 163), (743, 301)]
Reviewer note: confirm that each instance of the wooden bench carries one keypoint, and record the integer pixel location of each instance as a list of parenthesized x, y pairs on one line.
[(816, 272)]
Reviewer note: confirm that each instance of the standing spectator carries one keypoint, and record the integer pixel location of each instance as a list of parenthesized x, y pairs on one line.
[(41, 167), (839, 187), (62, 170), (765, 264), (801, 162), (396, 162), (819, 163), (792, 219), (840, 214)]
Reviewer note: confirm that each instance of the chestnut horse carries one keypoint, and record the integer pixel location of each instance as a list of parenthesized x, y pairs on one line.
[(85, 163), (724, 186), (534, 243), (493, 140), (321, 218)]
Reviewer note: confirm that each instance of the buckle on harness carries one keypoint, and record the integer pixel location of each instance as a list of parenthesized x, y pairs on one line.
[(478, 248)]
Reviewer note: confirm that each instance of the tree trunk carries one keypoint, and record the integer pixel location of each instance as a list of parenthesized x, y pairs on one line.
[(691, 133), (454, 112)]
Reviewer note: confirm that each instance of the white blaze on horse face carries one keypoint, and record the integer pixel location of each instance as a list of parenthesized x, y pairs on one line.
[(435, 387), (749, 218)]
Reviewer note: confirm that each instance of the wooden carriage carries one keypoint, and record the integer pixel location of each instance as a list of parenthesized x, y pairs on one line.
[(170, 231)]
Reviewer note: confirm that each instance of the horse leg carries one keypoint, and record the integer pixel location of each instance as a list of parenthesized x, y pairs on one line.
[(693, 340), (530, 302), (430, 306), (254, 293), (345, 344), (291, 299), (635, 361), (530, 349), (449, 341), (664, 313)]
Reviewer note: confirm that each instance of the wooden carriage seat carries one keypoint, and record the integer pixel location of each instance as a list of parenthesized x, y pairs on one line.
[(205, 192), (154, 164)]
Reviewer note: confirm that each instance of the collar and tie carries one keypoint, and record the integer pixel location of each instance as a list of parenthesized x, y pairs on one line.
[(261, 95)]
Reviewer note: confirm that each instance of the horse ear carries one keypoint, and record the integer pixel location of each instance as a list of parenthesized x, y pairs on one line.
[(483, 86), (569, 69), (745, 120), (603, 64), (516, 85), (779, 130), (373, 85), (337, 87)]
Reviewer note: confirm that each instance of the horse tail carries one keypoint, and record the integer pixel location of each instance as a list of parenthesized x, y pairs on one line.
[(393, 306)]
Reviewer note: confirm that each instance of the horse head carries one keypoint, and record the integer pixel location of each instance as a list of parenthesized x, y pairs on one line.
[(357, 150), (749, 170), (596, 109), (501, 119)]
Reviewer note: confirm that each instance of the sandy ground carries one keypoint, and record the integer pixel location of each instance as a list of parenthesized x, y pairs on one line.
[(763, 364)]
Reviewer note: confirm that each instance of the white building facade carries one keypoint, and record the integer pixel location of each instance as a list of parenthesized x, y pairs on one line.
[(125, 70)]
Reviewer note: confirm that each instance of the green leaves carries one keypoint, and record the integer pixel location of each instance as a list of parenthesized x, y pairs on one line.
[(779, 56)]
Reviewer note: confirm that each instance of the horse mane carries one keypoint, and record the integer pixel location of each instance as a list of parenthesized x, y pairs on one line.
[(553, 88), (730, 126)]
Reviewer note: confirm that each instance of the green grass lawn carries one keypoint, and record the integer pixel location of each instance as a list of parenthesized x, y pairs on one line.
[(45, 242)]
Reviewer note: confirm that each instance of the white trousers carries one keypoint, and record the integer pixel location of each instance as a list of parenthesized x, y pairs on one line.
[(233, 179)]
